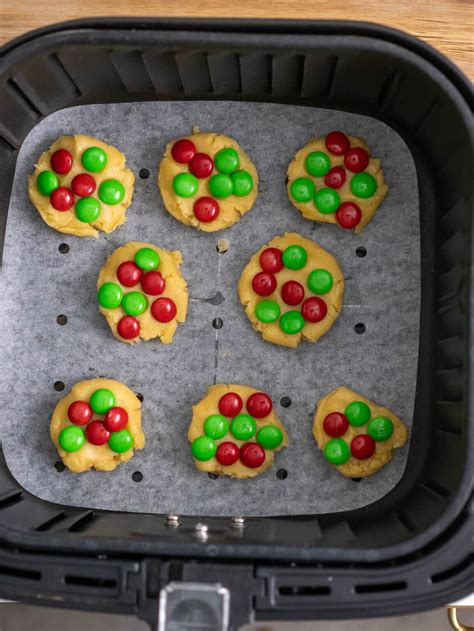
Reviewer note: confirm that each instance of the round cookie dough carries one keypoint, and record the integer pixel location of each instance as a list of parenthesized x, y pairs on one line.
[(317, 175), (380, 432), (105, 186), (157, 285), (268, 313), (198, 188), (98, 456), (219, 416)]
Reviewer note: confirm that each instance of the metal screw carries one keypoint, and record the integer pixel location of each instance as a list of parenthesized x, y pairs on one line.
[(238, 522), (172, 520), (201, 531)]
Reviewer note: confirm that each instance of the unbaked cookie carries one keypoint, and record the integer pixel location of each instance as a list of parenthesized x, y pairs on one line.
[(97, 425), (81, 185), (334, 180), (235, 431), (357, 436), (207, 181), (142, 293), (292, 290)]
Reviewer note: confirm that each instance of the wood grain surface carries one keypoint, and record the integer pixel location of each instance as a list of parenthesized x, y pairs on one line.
[(445, 24)]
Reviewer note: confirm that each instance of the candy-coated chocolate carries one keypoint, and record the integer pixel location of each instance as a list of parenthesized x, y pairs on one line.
[(271, 260), (292, 292), (335, 177), (357, 413), (163, 310), (129, 274), (185, 184), (363, 185), (203, 448), (94, 159), (326, 200), (116, 419), (61, 161), (348, 215), (291, 322), (110, 295), (362, 446), (111, 192), (216, 426), (220, 185), (267, 311), (79, 412), (134, 303), (336, 451), (335, 424), (206, 209), (61, 198), (337, 143), (269, 436), (153, 283), (259, 405), (47, 182), (317, 163), (120, 441), (227, 160), (72, 438), (294, 257), (227, 453), (83, 185), (252, 455), (314, 309), (183, 151), (264, 283), (97, 433), (320, 281), (128, 327), (87, 209), (243, 426), (230, 404), (302, 189), (380, 428), (242, 183), (102, 400), (201, 165), (356, 159), (147, 259)]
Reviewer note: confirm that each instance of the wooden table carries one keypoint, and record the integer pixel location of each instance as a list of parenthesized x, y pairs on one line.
[(445, 24)]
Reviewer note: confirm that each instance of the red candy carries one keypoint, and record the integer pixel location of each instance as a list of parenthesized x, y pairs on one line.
[(128, 327), (183, 151), (116, 419), (83, 185), (153, 283), (252, 455), (271, 260), (230, 404), (337, 143), (61, 161), (335, 424), (97, 433), (201, 165), (362, 446), (206, 209), (163, 310), (227, 453), (314, 309), (292, 292), (129, 274), (264, 283), (61, 198), (335, 177), (348, 215), (259, 405), (79, 412), (356, 159)]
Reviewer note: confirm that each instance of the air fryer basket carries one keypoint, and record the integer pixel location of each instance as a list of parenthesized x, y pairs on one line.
[(407, 551)]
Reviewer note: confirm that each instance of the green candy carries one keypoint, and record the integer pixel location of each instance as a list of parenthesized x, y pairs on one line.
[(216, 426), (110, 295), (185, 184), (267, 311), (269, 437), (221, 186), (72, 438), (357, 413), (147, 259), (87, 209), (294, 257), (46, 183), (227, 160), (94, 159), (380, 428), (111, 192), (120, 441), (327, 200), (291, 322), (317, 163), (242, 183), (363, 185), (101, 400), (134, 303), (243, 426), (319, 281), (336, 451), (302, 189), (204, 448)]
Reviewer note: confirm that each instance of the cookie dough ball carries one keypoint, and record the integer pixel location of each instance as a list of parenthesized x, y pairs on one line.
[(235, 431), (97, 425), (334, 180), (81, 185), (292, 290), (356, 436), (207, 181), (142, 293)]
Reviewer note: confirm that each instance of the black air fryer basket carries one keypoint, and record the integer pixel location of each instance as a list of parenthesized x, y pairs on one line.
[(405, 552)]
